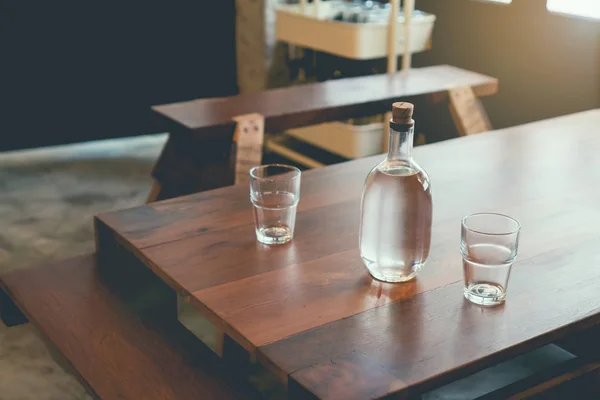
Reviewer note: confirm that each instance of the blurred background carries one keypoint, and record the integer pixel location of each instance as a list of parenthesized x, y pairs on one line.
[(75, 71)]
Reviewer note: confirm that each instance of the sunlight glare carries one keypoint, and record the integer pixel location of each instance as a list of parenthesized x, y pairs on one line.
[(582, 8)]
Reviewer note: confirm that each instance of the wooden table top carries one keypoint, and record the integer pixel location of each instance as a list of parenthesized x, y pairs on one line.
[(311, 312)]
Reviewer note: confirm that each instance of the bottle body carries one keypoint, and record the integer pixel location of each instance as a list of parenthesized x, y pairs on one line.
[(396, 215)]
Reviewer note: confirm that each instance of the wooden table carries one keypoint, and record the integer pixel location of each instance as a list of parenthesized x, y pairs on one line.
[(309, 310)]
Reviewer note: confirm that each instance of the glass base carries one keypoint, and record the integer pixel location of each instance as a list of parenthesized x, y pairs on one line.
[(485, 294), (274, 235), (394, 274)]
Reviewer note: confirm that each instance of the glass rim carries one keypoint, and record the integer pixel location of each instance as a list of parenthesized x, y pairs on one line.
[(291, 168), (511, 232)]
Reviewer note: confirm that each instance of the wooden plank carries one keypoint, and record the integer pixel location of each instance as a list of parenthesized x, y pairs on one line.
[(114, 352), (324, 101), (349, 376)]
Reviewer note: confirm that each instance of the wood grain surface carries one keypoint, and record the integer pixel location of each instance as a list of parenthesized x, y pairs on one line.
[(324, 101), (304, 304), (436, 336), (116, 354)]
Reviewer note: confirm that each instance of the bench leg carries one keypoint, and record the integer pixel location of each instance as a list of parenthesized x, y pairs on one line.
[(192, 163), (467, 112), (154, 192), (9, 312)]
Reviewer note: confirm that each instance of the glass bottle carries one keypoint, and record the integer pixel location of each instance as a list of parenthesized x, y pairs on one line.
[(396, 208)]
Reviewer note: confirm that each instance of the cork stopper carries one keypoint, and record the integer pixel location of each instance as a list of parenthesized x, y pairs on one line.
[(402, 113)]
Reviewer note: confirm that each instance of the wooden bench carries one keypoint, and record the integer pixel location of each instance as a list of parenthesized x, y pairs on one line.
[(197, 155), (120, 344)]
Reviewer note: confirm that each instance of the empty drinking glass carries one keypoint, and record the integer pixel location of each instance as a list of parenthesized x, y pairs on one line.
[(274, 192), (489, 244)]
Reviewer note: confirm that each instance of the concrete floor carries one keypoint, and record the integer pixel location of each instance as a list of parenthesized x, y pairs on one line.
[(27, 371)]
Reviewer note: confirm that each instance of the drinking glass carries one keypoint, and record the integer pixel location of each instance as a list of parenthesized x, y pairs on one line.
[(489, 244), (274, 192)]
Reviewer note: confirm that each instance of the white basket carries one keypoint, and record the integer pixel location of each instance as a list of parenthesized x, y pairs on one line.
[(302, 27), (346, 140)]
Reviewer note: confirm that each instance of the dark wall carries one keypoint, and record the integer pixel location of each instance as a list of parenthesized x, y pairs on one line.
[(548, 64), (79, 70)]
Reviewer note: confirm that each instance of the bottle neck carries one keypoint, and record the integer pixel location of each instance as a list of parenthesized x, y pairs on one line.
[(401, 142)]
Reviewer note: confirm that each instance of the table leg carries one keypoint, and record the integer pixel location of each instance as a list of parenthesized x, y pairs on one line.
[(192, 163), (583, 344)]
